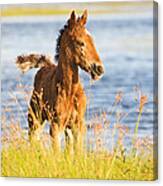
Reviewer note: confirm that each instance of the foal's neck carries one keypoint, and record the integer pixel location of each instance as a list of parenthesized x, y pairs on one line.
[(67, 72)]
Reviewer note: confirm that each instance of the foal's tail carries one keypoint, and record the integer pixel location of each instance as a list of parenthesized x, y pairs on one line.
[(26, 62)]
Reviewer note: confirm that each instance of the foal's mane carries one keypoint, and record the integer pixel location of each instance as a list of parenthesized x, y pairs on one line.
[(58, 45)]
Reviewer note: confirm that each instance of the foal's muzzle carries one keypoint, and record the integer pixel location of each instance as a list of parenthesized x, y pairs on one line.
[(96, 71)]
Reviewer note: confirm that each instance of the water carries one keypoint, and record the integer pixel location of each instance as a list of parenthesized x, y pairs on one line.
[(125, 45)]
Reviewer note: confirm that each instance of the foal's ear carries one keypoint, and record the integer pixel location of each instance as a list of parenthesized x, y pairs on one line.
[(72, 18), (83, 18)]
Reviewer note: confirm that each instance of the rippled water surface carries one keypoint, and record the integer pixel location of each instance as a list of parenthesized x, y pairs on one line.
[(125, 45)]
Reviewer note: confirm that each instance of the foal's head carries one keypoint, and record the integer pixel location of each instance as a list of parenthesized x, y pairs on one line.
[(80, 46)]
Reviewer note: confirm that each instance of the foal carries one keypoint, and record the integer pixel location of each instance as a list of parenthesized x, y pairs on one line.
[(58, 95)]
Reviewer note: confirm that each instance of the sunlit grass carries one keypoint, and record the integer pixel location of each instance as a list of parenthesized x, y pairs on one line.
[(21, 159)]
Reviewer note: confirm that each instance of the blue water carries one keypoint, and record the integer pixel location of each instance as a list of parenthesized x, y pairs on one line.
[(125, 45)]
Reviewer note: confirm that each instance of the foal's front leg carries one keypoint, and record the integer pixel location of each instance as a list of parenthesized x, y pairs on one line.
[(69, 139), (55, 136), (79, 125), (78, 134)]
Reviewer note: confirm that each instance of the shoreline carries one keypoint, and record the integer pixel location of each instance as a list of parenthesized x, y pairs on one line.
[(66, 8)]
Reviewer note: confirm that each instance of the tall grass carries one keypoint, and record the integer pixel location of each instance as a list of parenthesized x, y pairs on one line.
[(20, 158), (38, 161)]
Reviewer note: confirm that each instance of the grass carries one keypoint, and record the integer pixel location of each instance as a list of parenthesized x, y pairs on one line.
[(36, 161), (19, 158)]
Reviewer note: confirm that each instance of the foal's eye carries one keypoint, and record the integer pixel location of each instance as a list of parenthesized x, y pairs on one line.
[(81, 43)]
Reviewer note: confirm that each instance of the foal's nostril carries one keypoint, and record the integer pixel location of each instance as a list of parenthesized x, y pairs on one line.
[(97, 69), (100, 69)]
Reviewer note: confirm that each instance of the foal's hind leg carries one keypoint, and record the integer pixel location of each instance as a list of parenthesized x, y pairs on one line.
[(35, 127), (35, 119)]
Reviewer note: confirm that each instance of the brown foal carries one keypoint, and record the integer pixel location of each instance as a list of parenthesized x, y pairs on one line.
[(58, 94)]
